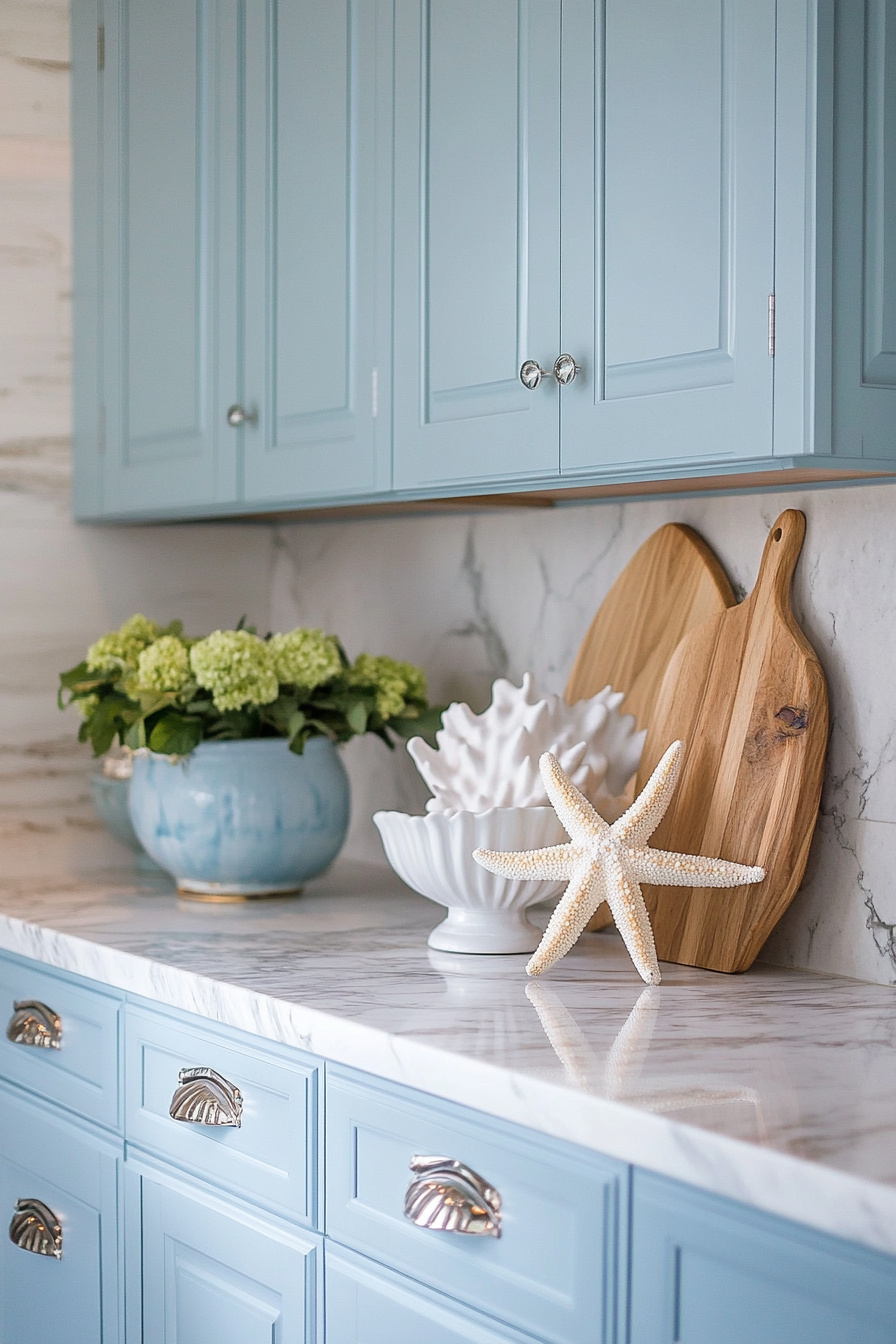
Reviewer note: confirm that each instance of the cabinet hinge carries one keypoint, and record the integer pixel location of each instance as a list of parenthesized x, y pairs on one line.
[(374, 393), (771, 325), (101, 48)]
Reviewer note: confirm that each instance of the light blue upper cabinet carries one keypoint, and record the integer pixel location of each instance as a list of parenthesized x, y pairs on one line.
[(317, 251), (316, 242), (169, 242), (477, 261), (668, 231)]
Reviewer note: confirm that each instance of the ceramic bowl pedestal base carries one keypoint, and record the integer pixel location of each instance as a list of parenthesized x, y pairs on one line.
[(485, 931)]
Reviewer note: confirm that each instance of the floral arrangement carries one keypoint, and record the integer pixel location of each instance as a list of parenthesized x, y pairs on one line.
[(152, 686)]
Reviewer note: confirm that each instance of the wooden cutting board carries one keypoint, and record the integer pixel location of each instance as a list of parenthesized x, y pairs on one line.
[(673, 583), (746, 694)]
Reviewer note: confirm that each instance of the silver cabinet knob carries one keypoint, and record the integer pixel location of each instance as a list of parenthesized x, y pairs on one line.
[(33, 1023), (531, 374), (206, 1098), (36, 1228), (565, 369), (446, 1196), (238, 415)]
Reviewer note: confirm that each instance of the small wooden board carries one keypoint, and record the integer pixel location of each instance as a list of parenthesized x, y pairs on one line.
[(746, 694), (673, 583)]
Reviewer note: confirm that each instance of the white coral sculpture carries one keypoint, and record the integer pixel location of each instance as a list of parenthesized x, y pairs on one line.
[(491, 759)]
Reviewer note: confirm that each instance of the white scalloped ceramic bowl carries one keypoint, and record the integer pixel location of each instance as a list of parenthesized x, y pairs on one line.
[(434, 855)]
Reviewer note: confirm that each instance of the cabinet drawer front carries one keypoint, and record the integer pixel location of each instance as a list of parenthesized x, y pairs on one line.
[(212, 1273), (705, 1269), (83, 1073), (552, 1272), (73, 1299), (271, 1157), (366, 1304)]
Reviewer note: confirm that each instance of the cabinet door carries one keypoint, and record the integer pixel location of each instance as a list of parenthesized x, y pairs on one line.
[(704, 1270), (366, 1304), (213, 1273), (667, 211), (476, 240), (317, 257), (169, 241), (75, 1298)]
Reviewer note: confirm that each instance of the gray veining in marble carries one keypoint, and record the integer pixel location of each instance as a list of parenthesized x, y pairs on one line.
[(777, 1087)]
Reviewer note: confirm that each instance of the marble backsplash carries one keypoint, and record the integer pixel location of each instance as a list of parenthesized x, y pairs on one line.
[(471, 598)]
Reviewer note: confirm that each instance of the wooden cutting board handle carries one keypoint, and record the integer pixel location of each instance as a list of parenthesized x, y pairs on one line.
[(777, 566)]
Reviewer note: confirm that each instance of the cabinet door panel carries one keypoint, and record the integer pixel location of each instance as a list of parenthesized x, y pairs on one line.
[(170, 232), (42, 1299), (704, 1270), (365, 1304), (212, 1274), (313, 170), (668, 233), (476, 239)]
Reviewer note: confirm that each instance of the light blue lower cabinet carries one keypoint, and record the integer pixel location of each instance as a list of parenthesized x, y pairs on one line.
[(705, 1270), (205, 1269), (366, 1304), (72, 1299), (552, 1273)]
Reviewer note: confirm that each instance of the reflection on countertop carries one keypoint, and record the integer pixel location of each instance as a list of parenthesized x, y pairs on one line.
[(777, 1087)]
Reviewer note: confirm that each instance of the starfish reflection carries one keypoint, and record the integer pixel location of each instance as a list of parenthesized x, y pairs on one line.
[(618, 1077)]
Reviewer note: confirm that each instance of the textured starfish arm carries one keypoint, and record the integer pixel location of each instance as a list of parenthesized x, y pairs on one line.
[(666, 869), (635, 827), (557, 862), (578, 817), (584, 894), (633, 922)]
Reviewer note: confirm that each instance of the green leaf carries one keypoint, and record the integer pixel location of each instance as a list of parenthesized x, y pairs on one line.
[(298, 740), (295, 723), (135, 737), (175, 735), (426, 725), (357, 715)]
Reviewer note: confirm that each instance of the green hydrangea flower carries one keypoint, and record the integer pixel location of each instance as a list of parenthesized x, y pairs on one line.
[(164, 665), (120, 650), (305, 658), (397, 685), (237, 667)]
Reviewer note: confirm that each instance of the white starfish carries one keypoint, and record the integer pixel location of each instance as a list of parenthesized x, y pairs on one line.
[(607, 863)]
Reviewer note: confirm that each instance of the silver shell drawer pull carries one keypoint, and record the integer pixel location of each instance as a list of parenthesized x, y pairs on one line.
[(531, 374), (36, 1228), (206, 1098), (565, 369), (33, 1023), (446, 1196), (238, 415)]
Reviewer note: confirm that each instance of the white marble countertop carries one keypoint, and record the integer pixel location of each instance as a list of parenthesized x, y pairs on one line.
[(775, 1087)]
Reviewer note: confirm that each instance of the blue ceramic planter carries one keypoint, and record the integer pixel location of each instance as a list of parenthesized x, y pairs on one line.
[(238, 819)]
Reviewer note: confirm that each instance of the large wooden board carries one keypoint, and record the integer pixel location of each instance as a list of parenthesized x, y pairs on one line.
[(673, 583), (747, 696)]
